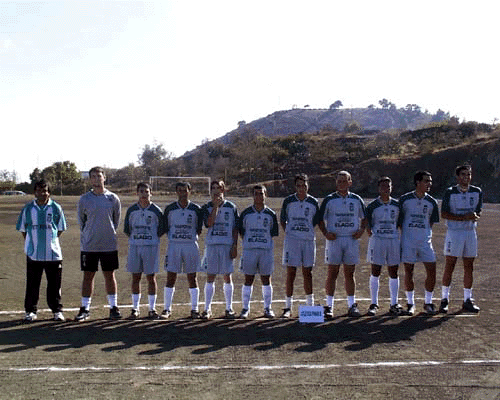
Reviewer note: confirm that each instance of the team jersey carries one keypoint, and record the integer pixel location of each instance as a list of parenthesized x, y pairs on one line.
[(221, 232), (416, 216), (258, 228), (300, 216), (99, 217), (383, 218), (457, 202), (41, 224), (342, 215), (183, 224), (143, 226)]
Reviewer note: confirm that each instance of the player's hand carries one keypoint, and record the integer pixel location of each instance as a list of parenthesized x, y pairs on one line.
[(330, 236), (474, 216), (358, 234), (218, 200)]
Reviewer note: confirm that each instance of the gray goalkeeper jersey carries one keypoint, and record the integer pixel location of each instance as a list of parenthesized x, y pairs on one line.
[(98, 216)]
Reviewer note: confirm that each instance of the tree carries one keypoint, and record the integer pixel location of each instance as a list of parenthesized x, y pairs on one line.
[(336, 105), (152, 158), (62, 175)]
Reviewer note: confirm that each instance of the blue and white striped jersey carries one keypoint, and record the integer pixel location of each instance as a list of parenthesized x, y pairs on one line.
[(416, 216), (342, 215), (225, 222), (258, 228), (383, 218), (144, 226), (457, 202), (42, 225), (300, 217), (183, 224)]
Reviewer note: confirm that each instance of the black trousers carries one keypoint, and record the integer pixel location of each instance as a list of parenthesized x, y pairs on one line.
[(34, 272)]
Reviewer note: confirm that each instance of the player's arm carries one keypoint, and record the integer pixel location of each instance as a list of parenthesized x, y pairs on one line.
[(473, 216), (324, 231), (361, 230)]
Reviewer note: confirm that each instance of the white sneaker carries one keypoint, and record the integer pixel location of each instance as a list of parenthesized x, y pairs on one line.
[(58, 316), (30, 317)]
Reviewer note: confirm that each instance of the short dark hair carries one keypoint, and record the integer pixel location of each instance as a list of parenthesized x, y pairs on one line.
[(384, 179), (97, 169), (182, 185), (43, 184), (301, 177), (260, 187), (218, 182), (460, 168), (420, 175), (144, 185)]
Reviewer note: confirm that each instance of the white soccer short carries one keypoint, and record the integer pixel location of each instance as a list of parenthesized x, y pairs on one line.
[(412, 252), (298, 252), (383, 251), (343, 250), (257, 261), (217, 260), (182, 258), (461, 243), (143, 259)]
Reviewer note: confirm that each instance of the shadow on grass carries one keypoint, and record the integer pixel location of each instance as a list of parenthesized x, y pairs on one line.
[(211, 336)]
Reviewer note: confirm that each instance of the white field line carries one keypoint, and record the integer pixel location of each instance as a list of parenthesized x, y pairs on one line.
[(296, 302), (385, 364)]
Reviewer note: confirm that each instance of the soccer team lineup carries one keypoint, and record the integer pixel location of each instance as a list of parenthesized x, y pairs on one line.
[(398, 231)]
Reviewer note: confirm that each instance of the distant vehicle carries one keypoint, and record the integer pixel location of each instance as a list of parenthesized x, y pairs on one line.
[(14, 193)]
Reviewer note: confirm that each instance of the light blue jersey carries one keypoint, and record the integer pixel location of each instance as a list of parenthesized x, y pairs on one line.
[(144, 226), (42, 224)]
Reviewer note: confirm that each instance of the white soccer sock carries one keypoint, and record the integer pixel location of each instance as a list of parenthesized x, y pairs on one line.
[(467, 294), (228, 295), (86, 302), (168, 296), (350, 301), (152, 301), (310, 299), (428, 297), (112, 300), (246, 295), (410, 297), (289, 302), (194, 293), (209, 294), (374, 286), (136, 299), (394, 290), (330, 301), (445, 292), (267, 295)]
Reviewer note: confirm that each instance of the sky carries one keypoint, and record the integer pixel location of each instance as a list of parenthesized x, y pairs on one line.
[(93, 82)]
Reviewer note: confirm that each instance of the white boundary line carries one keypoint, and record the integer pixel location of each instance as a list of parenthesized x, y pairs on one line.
[(385, 364)]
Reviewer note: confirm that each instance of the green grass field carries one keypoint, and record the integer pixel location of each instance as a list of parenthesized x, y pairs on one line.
[(456, 356)]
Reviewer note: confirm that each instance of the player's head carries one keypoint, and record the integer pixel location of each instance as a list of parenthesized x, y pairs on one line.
[(464, 167), (421, 175), (343, 181), (464, 174), (42, 191), (217, 187), (144, 186), (259, 195), (183, 189), (384, 185), (97, 176), (301, 184)]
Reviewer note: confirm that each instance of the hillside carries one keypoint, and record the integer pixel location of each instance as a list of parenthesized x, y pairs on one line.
[(368, 119)]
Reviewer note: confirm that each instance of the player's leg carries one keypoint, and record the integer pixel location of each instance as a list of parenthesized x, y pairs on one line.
[(468, 281), (246, 295), (228, 296), (53, 272), (409, 288), (330, 284), (374, 288), (449, 267), (267, 295), (392, 270), (194, 294), (152, 296), (168, 292), (350, 288), (308, 285), (34, 271), (430, 282)]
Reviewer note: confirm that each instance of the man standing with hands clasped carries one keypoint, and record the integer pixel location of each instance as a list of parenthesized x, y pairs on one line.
[(461, 208)]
